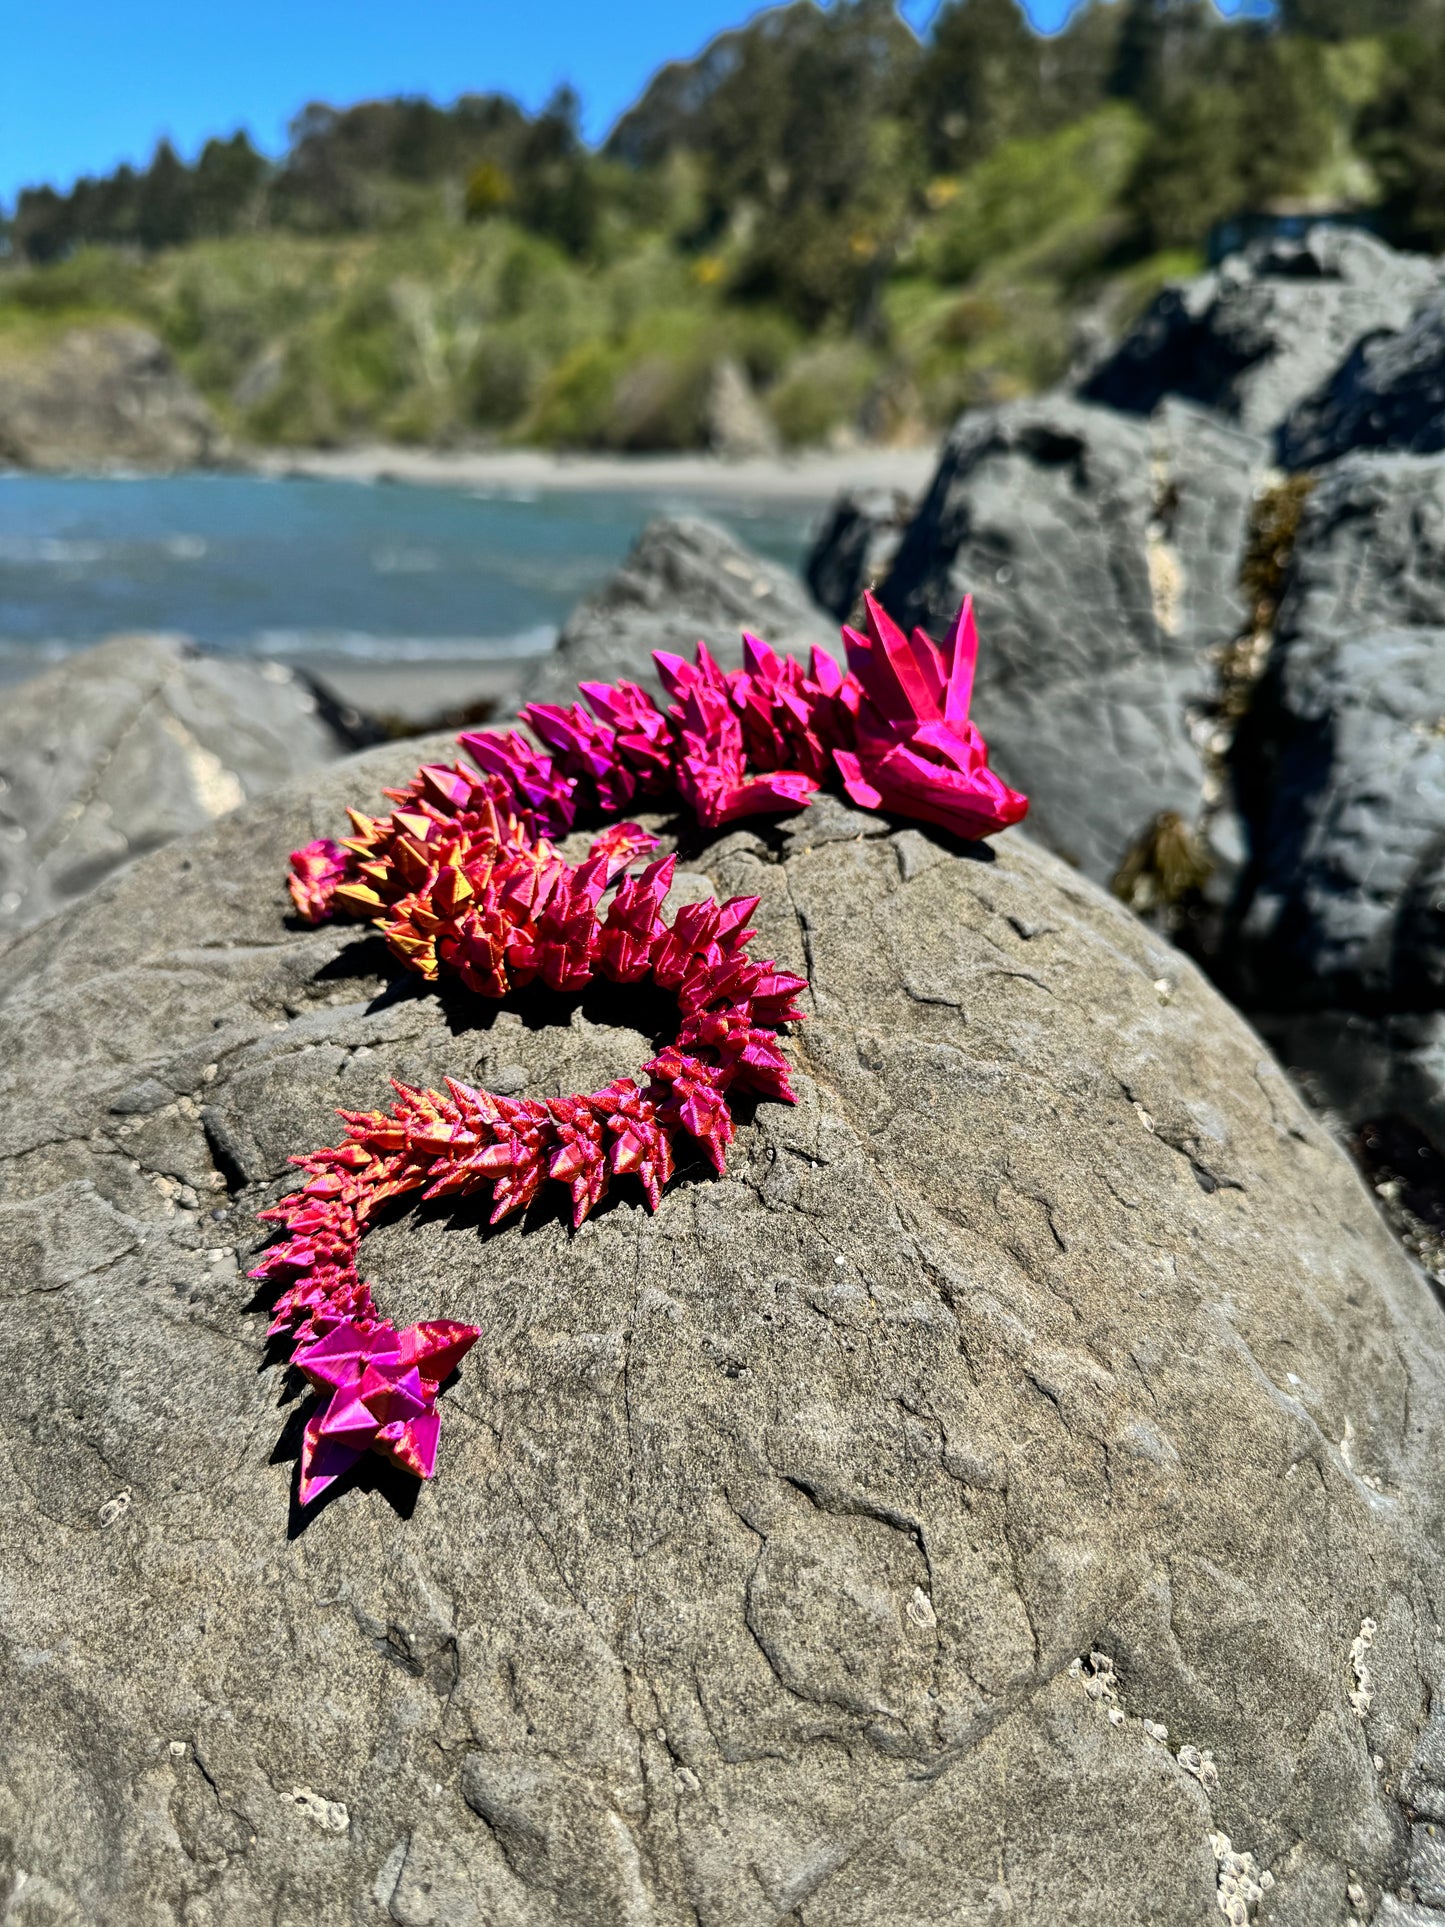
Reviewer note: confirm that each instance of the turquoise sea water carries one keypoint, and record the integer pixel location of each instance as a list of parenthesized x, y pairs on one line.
[(302, 569)]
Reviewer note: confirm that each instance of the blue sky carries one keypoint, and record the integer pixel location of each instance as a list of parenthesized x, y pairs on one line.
[(85, 84)]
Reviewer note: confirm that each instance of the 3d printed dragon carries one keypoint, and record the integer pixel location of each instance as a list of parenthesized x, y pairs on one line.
[(461, 878)]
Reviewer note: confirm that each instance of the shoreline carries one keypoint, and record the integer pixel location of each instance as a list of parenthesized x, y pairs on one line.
[(421, 691), (811, 476)]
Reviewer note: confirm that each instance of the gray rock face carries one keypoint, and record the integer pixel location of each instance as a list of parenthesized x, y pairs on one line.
[(969, 1505), (685, 579), (1103, 554), (1348, 905), (118, 750), (1264, 329), (1389, 393), (1341, 772), (856, 547), (735, 421), (1370, 553), (103, 397)]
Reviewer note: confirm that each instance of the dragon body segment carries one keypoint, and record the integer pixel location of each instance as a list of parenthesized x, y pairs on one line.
[(462, 880)]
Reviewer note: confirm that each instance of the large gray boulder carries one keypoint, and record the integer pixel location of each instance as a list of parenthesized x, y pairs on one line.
[(1103, 554), (1348, 899), (103, 397), (1265, 328), (855, 547), (685, 580), (1012, 1490), (1388, 393), (117, 750), (1369, 553), (1339, 937)]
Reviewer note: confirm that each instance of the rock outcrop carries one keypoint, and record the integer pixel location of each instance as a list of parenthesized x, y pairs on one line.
[(1136, 571), (118, 750), (1103, 554), (685, 579), (735, 422), (103, 397), (1265, 328), (1388, 393), (1013, 1488), (1346, 903), (856, 547), (1339, 940)]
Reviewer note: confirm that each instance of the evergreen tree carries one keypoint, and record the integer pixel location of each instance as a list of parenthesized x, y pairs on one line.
[(1403, 136), (229, 177), (1077, 65), (165, 206), (980, 81), (556, 193), (43, 228), (1350, 19), (1162, 46), (1252, 127)]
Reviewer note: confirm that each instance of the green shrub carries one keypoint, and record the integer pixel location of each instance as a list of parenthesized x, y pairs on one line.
[(822, 391), (503, 381), (490, 190), (93, 281), (1030, 195), (658, 404), (576, 399)]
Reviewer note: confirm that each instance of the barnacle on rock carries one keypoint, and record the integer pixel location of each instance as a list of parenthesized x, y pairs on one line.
[(462, 880)]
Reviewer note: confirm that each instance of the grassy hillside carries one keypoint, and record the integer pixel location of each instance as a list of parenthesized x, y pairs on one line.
[(446, 329), (877, 231)]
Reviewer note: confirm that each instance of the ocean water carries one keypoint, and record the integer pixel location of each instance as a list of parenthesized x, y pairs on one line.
[(304, 570)]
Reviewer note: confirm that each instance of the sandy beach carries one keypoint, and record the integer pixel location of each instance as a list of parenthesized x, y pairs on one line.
[(811, 475)]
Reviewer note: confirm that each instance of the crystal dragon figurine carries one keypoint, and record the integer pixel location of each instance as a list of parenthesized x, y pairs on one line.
[(462, 880)]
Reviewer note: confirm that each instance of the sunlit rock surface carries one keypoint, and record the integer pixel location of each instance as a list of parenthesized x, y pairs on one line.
[(1018, 1473)]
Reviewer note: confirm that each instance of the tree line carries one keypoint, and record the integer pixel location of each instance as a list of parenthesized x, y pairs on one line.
[(812, 139)]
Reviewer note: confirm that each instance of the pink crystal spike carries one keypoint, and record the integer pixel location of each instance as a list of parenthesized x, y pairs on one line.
[(678, 675), (437, 1347), (339, 1358), (323, 1460), (760, 659), (349, 1420), (894, 679), (961, 650), (932, 669), (415, 1449), (707, 669), (826, 673)]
